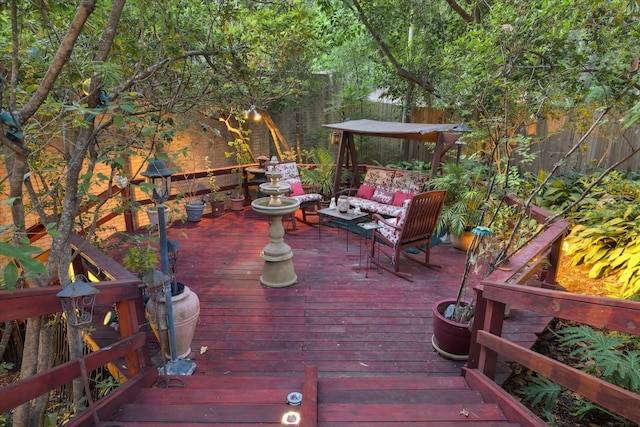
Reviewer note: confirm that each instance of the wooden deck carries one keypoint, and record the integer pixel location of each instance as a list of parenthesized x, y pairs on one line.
[(357, 342)]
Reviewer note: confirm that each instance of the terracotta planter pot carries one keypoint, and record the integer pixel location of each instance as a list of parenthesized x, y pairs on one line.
[(450, 339), (217, 208), (237, 204), (463, 241), (186, 310)]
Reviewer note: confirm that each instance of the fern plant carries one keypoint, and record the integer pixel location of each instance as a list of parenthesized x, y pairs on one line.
[(542, 391), (610, 356), (613, 357)]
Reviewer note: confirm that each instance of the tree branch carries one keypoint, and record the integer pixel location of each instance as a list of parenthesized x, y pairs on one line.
[(59, 61), (400, 71)]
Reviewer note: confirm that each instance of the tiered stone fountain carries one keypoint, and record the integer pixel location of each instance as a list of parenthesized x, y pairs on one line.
[(278, 269)]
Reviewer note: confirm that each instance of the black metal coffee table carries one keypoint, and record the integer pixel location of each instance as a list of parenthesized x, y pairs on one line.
[(341, 218)]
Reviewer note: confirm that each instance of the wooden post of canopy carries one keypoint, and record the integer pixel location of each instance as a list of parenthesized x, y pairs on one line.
[(347, 157)]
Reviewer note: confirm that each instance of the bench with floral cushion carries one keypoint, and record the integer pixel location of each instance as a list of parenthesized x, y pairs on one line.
[(384, 190)]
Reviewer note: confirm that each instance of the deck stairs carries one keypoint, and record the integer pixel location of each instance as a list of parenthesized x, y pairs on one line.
[(328, 402)]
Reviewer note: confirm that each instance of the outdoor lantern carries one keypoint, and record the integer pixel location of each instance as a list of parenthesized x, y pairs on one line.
[(159, 175), (462, 128), (336, 137), (77, 301)]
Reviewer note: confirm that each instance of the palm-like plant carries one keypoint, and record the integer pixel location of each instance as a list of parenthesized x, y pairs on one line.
[(466, 194), (321, 177)]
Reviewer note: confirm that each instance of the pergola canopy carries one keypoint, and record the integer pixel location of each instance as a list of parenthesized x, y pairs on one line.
[(444, 135), (412, 131)]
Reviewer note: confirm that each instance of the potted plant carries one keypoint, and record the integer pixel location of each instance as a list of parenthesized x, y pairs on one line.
[(242, 155), (193, 203), (185, 306), (194, 207), (451, 316), (322, 175), (510, 228), (466, 195), (152, 214), (142, 256), (217, 203), (236, 197)]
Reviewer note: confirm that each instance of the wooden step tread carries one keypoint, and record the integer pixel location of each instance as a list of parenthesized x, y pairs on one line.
[(367, 413), (203, 412)]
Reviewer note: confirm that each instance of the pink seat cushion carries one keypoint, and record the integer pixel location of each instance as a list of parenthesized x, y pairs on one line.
[(365, 192), (400, 197), (296, 189)]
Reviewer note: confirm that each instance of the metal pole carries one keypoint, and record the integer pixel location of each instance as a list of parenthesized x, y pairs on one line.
[(164, 259)]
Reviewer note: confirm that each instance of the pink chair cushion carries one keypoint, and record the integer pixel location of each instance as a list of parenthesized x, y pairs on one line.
[(365, 191), (400, 197), (296, 189)]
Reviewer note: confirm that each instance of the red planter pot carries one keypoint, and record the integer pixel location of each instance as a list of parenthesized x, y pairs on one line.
[(450, 339)]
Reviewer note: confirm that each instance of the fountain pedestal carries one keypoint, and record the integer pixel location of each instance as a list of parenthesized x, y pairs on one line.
[(278, 271)]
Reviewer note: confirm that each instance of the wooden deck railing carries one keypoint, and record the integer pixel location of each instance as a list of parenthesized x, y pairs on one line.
[(502, 287), (119, 287), (505, 287)]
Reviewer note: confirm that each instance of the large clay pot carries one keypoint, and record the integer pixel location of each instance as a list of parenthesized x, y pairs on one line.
[(194, 211), (463, 241), (450, 339), (186, 310)]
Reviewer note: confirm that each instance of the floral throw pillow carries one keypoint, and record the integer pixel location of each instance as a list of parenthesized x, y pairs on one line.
[(382, 196)]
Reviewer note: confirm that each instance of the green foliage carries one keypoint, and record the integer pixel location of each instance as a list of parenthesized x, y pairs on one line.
[(614, 357), (605, 231), (105, 383), (214, 188), (323, 174), (611, 356), (21, 263), (412, 165), (466, 194), (141, 257), (542, 391)]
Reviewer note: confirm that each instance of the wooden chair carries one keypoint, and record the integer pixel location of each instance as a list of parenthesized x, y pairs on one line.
[(309, 201), (412, 228)]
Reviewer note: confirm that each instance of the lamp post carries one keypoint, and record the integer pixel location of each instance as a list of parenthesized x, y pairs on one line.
[(77, 300), (159, 175)]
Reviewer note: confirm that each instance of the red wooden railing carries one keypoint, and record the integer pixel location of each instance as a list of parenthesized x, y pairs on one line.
[(125, 290), (505, 287)]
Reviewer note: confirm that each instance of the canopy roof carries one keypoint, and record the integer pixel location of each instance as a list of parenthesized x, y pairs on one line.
[(413, 131), (444, 135)]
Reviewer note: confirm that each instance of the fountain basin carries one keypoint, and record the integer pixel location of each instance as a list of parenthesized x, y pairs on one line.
[(265, 205)]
